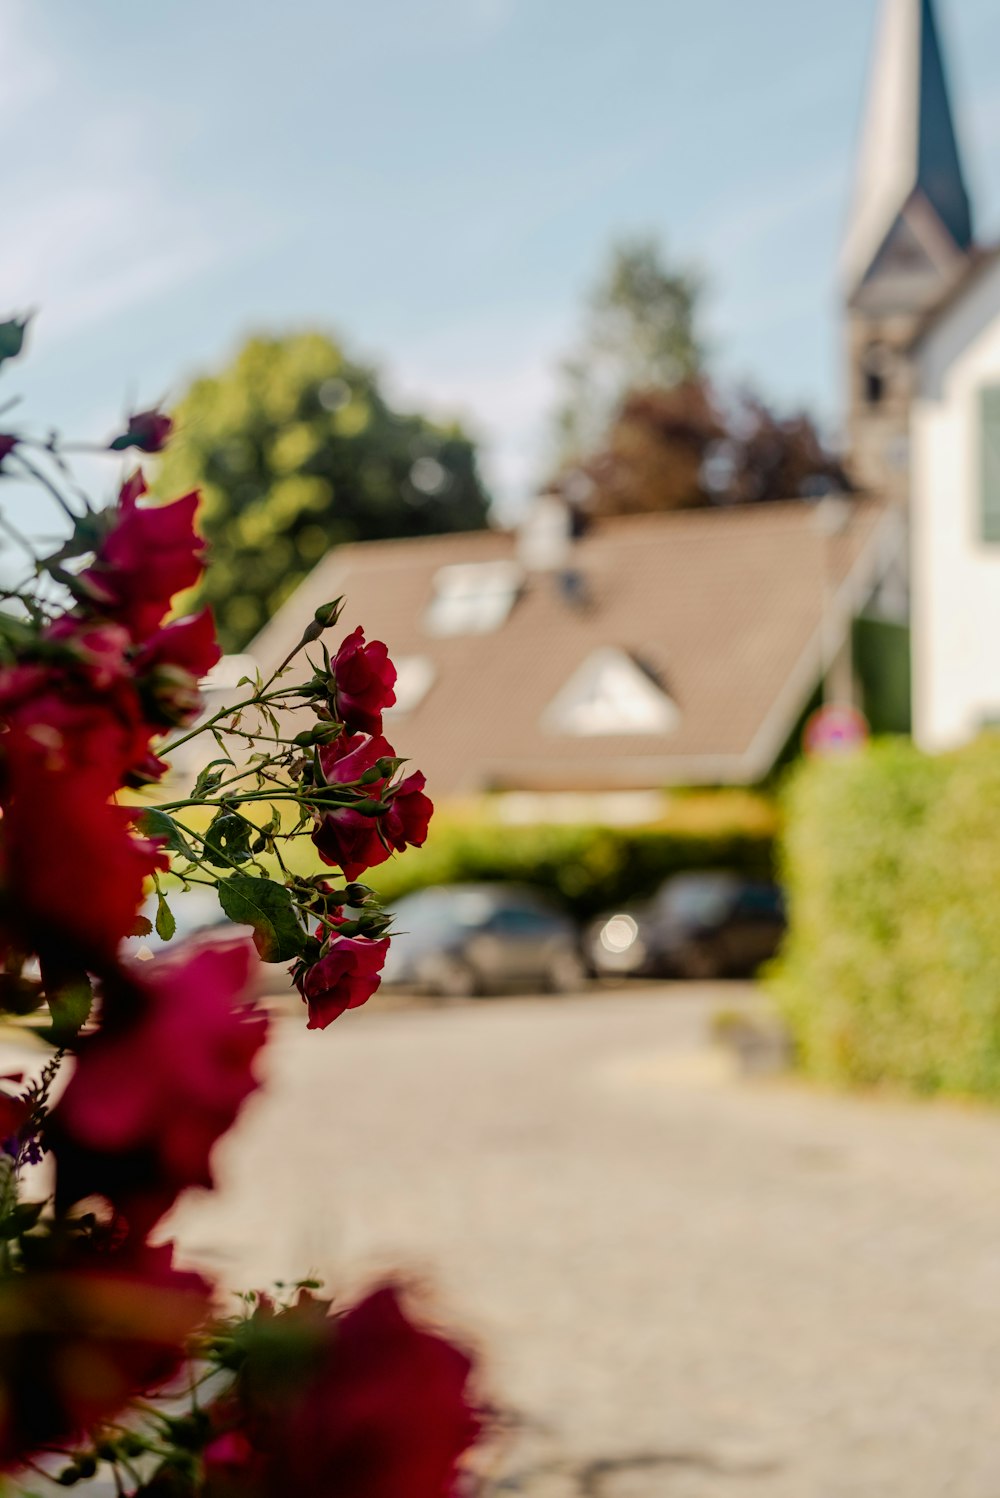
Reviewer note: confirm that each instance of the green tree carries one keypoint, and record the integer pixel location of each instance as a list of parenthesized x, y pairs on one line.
[(296, 450), (640, 332)]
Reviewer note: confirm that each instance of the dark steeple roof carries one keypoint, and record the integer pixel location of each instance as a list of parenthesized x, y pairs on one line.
[(939, 164), (912, 221)]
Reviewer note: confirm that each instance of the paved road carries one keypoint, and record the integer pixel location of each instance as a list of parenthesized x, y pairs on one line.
[(684, 1285)]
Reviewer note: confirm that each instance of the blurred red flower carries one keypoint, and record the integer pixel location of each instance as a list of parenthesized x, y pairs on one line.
[(364, 1405), (172, 663), (61, 763), (164, 1078), (80, 1337), (149, 555)]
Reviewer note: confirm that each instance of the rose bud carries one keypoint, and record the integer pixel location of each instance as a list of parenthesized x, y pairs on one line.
[(149, 431), (12, 337)]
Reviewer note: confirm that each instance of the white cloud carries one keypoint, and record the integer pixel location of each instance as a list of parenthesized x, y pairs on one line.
[(490, 15), (89, 251), (505, 397), (29, 75), (91, 223)]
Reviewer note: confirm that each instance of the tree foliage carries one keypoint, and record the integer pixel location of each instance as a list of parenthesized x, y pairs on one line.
[(296, 449), (681, 448), (640, 332), (643, 428)]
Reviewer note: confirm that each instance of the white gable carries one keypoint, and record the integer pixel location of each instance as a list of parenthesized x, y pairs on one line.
[(610, 694)]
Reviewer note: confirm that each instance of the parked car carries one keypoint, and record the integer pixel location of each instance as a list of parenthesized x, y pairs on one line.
[(464, 939), (705, 925)]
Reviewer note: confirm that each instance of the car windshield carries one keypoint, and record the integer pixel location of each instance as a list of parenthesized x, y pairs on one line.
[(696, 899), (448, 909)]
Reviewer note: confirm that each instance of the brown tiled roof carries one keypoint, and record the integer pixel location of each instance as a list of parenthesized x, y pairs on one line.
[(725, 607)]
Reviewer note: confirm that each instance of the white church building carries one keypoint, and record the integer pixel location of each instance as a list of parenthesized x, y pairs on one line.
[(924, 358)]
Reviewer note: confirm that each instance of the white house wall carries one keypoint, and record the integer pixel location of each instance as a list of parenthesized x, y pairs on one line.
[(956, 575)]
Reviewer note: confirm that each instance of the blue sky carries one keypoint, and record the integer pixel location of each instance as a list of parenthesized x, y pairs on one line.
[(437, 180)]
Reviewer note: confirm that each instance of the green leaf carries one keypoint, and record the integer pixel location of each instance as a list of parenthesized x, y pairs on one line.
[(209, 779), (20, 1219), (69, 1009), (166, 925), (12, 337), (227, 840), (267, 907), (154, 823)]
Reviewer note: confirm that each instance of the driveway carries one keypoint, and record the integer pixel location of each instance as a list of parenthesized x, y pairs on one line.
[(680, 1283)]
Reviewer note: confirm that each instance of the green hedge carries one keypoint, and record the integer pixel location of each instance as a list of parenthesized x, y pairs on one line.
[(589, 868), (891, 970)]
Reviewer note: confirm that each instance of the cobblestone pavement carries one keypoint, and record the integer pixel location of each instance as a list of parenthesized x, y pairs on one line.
[(681, 1284)]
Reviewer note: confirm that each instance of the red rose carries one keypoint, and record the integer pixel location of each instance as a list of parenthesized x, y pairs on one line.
[(350, 840), (352, 755), (356, 841), (406, 822), (160, 1083), (79, 1339), (363, 677), (101, 649), (377, 1407), (147, 431), (149, 555), (344, 978)]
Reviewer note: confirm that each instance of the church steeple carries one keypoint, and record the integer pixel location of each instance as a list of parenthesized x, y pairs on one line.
[(911, 224), (909, 236)]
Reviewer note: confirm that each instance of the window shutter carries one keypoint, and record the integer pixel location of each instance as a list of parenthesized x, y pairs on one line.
[(990, 460)]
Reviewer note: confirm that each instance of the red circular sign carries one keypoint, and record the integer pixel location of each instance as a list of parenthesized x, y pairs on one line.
[(835, 729)]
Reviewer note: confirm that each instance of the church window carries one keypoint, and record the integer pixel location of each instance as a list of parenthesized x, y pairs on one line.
[(873, 370), (989, 450)]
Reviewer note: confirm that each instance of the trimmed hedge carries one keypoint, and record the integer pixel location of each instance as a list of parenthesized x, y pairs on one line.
[(589, 868), (891, 969)]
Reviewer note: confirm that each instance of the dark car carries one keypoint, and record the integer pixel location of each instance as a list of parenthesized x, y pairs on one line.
[(462, 939), (706, 925)]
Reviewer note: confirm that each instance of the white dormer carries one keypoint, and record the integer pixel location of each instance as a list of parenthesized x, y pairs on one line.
[(472, 598), (415, 675), (610, 694)]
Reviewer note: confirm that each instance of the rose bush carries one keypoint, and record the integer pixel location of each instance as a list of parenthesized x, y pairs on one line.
[(99, 684)]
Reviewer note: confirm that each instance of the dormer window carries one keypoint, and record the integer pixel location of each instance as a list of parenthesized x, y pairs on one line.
[(472, 598), (415, 676), (610, 694)]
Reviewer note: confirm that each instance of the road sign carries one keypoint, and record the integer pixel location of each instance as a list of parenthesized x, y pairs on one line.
[(834, 730)]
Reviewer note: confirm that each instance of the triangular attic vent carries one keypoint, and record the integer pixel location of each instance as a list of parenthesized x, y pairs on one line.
[(610, 694)]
